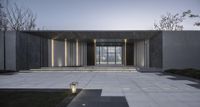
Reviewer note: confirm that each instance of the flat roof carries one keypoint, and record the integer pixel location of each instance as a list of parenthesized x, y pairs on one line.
[(94, 34)]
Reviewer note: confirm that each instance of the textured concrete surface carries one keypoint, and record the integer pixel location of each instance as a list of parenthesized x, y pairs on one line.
[(59, 53), (140, 89), (10, 50), (181, 49), (1, 50), (31, 51), (155, 51)]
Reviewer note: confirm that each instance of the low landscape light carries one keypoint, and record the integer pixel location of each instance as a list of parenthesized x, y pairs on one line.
[(73, 87)]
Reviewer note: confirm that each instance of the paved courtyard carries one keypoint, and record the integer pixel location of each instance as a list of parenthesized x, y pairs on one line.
[(140, 89)]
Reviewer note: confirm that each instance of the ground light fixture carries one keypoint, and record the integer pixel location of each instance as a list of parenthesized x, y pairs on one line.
[(73, 87)]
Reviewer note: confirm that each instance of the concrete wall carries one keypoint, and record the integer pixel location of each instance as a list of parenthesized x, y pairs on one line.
[(34, 56), (10, 50), (155, 51), (71, 53), (31, 51), (59, 53), (181, 49), (141, 53), (22, 51), (1, 50), (44, 52), (83, 53)]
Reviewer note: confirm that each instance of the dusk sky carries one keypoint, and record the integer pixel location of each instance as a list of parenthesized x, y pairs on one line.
[(106, 14)]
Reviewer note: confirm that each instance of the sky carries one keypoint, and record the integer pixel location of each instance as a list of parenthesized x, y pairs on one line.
[(106, 14)]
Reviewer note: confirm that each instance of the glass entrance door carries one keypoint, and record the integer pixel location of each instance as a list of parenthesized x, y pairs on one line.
[(108, 55)]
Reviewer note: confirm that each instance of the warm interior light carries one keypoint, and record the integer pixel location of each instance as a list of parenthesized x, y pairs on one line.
[(95, 51), (52, 52), (73, 87), (65, 52), (77, 53), (125, 40)]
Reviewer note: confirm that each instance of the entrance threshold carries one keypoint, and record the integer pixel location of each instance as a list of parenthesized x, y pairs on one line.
[(89, 69), (109, 65)]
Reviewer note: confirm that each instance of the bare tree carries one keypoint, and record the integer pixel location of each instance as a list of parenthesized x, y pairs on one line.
[(20, 18), (195, 16), (170, 22), (197, 23), (3, 20), (173, 21), (1, 17)]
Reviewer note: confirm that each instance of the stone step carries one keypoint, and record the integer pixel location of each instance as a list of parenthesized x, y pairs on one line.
[(89, 69)]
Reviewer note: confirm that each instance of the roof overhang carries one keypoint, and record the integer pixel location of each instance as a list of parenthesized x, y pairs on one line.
[(88, 35)]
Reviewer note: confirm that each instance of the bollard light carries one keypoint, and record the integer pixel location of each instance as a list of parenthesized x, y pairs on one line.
[(73, 87)]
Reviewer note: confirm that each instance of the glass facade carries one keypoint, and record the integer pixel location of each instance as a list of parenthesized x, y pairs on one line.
[(108, 55), (118, 55)]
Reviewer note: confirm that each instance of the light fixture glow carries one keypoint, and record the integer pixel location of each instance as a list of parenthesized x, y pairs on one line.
[(77, 61), (52, 53), (125, 41), (73, 87), (65, 52), (95, 51)]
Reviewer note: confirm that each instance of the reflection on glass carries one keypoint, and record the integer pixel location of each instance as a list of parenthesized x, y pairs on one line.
[(118, 55), (97, 55), (111, 55), (103, 55), (108, 55)]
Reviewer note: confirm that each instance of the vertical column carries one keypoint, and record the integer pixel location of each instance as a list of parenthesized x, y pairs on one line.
[(94, 51), (52, 53), (77, 61), (146, 53), (125, 41), (135, 53), (65, 52)]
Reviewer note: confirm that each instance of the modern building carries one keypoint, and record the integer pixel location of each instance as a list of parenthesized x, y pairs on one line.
[(158, 49)]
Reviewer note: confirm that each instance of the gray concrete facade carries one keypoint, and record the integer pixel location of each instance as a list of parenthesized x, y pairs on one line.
[(158, 49), (31, 51), (1, 50), (10, 51), (68, 58), (59, 54), (22, 51), (181, 49), (155, 51), (141, 53)]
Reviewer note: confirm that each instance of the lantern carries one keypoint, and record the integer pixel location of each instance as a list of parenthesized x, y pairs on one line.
[(73, 87)]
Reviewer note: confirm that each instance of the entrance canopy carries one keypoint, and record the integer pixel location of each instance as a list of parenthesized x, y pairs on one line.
[(89, 35)]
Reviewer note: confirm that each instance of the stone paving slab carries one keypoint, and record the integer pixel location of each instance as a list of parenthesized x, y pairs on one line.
[(93, 98), (153, 89)]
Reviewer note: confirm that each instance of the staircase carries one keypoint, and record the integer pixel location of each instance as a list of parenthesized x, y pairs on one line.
[(88, 69)]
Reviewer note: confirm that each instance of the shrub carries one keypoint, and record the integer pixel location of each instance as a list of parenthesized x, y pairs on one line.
[(190, 72)]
